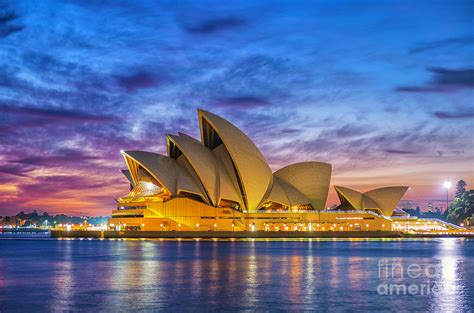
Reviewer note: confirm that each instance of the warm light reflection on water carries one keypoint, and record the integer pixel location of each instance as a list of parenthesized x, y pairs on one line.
[(63, 279), (452, 287), (250, 292), (133, 275), (3, 282)]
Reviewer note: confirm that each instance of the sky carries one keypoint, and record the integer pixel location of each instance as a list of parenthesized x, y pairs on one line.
[(382, 90)]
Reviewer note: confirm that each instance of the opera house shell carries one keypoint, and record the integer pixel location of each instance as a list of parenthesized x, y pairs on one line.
[(223, 182), (382, 200)]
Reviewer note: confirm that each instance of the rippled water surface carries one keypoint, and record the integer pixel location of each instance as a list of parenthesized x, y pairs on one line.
[(133, 275)]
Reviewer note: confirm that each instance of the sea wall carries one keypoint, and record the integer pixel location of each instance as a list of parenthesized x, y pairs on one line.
[(223, 234)]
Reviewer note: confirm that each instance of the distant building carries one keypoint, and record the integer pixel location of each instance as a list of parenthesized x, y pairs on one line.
[(406, 204), (430, 206)]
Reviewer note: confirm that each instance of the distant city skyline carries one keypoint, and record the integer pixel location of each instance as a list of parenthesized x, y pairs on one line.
[(441, 204), (382, 91)]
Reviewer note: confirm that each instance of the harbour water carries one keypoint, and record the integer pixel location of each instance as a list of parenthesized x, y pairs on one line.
[(41, 274)]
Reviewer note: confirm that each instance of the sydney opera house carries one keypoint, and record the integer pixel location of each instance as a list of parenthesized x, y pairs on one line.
[(223, 183)]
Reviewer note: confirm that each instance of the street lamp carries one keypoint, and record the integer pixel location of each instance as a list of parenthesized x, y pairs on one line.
[(447, 185)]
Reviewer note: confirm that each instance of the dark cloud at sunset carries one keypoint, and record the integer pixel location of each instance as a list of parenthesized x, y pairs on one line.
[(386, 100)]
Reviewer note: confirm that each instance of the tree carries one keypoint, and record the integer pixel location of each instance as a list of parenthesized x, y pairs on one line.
[(462, 207), (460, 188)]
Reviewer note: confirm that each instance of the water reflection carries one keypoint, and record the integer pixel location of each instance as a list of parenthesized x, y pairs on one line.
[(355, 272), (3, 282), (233, 272), (450, 296), (197, 272), (251, 280), (309, 277), (149, 273), (215, 276), (63, 278)]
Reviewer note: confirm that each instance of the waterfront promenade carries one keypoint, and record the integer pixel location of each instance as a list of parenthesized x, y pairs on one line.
[(249, 235)]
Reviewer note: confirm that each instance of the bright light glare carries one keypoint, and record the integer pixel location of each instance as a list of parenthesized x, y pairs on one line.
[(447, 184)]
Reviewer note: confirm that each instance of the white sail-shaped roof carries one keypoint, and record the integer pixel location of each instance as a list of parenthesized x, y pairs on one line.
[(383, 199), (253, 173), (310, 178), (229, 183), (277, 194), (285, 194), (190, 180), (352, 196), (227, 167), (165, 170), (387, 198), (129, 177), (203, 162)]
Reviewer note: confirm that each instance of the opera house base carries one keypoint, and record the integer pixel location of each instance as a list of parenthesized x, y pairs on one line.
[(183, 214)]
